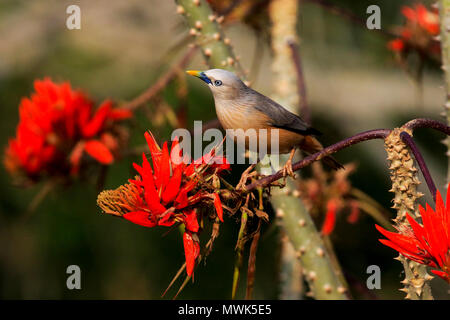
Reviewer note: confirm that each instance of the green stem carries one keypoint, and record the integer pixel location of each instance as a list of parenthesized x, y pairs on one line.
[(205, 28), (218, 53), (323, 278), (444, 12)]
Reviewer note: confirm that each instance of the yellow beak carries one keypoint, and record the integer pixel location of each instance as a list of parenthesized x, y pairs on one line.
[(194, 73)]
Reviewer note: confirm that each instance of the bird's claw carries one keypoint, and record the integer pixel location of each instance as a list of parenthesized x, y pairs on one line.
[(245, 176), (287, 170)]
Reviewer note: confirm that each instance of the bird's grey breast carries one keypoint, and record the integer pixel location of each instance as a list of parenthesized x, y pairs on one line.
[(241, 112)]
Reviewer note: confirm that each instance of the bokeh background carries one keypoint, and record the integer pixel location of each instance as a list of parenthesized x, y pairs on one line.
[(353, 84)]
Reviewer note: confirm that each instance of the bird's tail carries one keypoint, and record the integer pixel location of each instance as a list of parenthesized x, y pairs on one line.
[(312, 145)]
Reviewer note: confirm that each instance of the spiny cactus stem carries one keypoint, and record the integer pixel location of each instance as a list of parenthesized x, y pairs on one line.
[(444, 18), (206, 31), (408, 140)]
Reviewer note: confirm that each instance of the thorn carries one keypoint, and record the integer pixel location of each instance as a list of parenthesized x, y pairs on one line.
[(180, 10), (312, 275), (327, 288), (399, 258), (320, 252), (192, 32), (207, 52), (196, 2), (198, 24), (341, 290), (216, 36), (212, 17), (227, 41), (301, 222), (280, 213), (220, 19)]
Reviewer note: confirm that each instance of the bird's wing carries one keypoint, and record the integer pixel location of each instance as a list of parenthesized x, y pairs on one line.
[(281, 117)]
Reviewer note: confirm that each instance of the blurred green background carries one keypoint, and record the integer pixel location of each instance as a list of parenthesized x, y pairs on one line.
[(353, 84)]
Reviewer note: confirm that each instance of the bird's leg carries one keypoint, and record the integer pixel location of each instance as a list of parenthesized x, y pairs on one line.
[(287, 169), (245, 176)]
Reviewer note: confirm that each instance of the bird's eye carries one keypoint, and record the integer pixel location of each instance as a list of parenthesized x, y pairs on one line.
[(217, 83)]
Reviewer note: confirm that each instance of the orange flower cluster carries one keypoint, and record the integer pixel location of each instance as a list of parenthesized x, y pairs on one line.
[(57, 126)]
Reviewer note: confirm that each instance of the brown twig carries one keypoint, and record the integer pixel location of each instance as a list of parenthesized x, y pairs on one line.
[(301, 87), (161, 83), (360, 137)]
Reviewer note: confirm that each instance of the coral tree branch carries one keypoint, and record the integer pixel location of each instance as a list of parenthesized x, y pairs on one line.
[(407, 139), (320, 273)]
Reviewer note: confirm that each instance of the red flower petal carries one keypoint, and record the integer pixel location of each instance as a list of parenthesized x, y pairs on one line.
[(119, 114), (75, 156), (150, 193), (182, 199), (403, 244), (191, 252), (191, 221), (96, 123), (330, 217), (353, 217), (99, 151), (173, 187), (409, 13), (162, 177), (396, 45), (139, 217), (218, 205)]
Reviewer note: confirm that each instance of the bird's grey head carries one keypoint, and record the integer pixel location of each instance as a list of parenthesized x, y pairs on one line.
[(224, 84)]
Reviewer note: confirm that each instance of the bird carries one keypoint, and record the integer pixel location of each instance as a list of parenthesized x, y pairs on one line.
[(240, 107)]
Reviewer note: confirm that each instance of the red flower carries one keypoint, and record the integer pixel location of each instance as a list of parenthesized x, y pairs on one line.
[(418, 33), (396, 45), (57, 125), (330, 217), (428, 244), (353, 217), (428, 20), (168, 193)]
